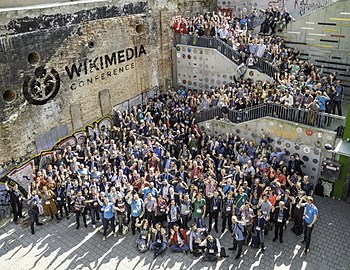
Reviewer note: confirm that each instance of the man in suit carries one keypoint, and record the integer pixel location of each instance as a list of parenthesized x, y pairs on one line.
[(214, 210), (281, 215)]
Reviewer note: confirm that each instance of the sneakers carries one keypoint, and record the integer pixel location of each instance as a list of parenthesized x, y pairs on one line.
[(115, 234), (94, 226), (305, 252), (274, 240), (104, 238)]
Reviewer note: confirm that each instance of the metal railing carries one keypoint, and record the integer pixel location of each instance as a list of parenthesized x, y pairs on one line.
[(222, 47), (317, 119)]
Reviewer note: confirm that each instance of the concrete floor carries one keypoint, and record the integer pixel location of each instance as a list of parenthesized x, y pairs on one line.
[(61, 246)]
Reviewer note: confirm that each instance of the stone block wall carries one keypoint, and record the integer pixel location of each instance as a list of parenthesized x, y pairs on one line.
[(66, 66)]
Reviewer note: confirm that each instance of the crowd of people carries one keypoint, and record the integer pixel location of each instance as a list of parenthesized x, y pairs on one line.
[(308, 86), (159, 175)]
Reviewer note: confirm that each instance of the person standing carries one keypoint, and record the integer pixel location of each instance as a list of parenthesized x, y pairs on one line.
[(185, 210), (121, 213), (298, 213), (227, 211), (310, 218), (16, 202), (214, 210), (137, 209), (260, 228), (338, 97), (281, 216), (79, 206), (199, 207), (108, 215), (60, 193), (33, 203), (238, 236)]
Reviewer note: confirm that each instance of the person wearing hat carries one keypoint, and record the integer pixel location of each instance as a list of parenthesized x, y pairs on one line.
[(310, 217), (238, 233), (281, 216)]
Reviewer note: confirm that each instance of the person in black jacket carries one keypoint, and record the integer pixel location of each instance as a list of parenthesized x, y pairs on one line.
[(214, 210), (294, 164), (260, 228), (16, 202), (60, 192), (228, 206), (281, 215)]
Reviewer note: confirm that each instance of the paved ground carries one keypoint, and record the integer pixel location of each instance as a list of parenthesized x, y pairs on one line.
[(61, 246)]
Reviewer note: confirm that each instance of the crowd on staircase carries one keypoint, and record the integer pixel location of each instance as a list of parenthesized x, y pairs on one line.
[(297, 83)]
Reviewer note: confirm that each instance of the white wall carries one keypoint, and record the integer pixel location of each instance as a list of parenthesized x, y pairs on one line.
[(202, 68)]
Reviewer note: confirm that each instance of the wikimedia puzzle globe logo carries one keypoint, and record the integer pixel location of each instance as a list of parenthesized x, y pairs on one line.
[(41, 87)]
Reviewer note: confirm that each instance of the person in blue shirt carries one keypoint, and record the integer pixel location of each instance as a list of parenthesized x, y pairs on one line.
[(150, 189), (137, 207), (310, 218), (238, 236), (322, 100), (339, 96), (108, 214)]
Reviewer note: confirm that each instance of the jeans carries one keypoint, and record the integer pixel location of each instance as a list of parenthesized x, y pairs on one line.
[(34, 218), (159, 247), (261, 236), (177, 248), (210, 256), (121, 221), (106, 221), (95, 215), (307, 234), (77, 217), (199, 222)]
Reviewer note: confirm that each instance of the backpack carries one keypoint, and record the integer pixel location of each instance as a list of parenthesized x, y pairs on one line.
[(142, 246), (319, 189), (255, 242)]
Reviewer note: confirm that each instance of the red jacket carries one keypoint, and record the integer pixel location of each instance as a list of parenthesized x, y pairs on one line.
[(183, 235)]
